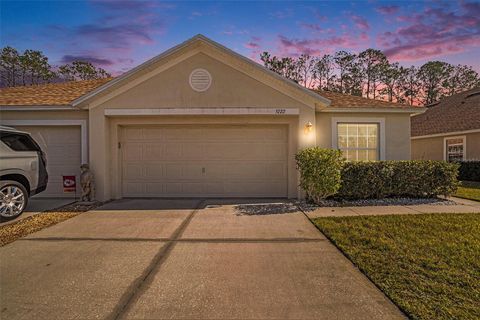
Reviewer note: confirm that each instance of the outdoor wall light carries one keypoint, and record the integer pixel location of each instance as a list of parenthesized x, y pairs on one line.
[(308, 127)]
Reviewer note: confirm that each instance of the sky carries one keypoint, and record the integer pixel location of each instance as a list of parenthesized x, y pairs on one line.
[(119, 35)]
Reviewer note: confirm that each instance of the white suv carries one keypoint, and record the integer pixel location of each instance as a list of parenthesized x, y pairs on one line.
[(23, 171)]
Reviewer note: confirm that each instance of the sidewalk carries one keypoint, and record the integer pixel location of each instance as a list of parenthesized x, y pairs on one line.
[(462, 206)]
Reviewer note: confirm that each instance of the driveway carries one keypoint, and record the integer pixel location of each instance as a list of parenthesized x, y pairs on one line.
[(39, 205), (183, 259)]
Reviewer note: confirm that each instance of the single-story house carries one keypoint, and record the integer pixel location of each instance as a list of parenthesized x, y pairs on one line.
[(449, 129), (198, 120)]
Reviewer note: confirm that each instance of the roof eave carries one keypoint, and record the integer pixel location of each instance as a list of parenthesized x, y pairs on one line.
[(411, 110)]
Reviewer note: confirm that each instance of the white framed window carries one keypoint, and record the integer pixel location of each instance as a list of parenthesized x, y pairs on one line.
[(360, 139), (454, 148)]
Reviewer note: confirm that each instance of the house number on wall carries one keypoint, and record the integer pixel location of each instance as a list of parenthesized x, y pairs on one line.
[(280, 111)]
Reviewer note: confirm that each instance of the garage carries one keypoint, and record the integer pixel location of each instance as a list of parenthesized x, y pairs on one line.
[(204, 161), (62, 145)]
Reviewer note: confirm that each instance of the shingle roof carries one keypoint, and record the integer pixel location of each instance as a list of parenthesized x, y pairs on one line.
[(459, 112), (340, 100), (52, 94), (62, 94)]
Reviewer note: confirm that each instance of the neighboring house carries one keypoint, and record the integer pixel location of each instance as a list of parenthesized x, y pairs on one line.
[(198, 120), (449, 129)]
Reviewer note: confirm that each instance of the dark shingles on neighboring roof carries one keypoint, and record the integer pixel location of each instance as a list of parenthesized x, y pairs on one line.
[(52, 94), (459, 112)]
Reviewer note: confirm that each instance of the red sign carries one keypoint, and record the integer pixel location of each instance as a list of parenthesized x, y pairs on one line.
[(69, 184)]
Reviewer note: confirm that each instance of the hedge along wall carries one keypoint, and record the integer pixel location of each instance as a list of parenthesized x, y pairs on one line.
[(418, 178), (469, 170)]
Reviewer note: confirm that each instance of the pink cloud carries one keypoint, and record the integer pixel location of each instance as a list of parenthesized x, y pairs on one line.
[(361, 22), (295, 47), (387, 10), (433, 32)]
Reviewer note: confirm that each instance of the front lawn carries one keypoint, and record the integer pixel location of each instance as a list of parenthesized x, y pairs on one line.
[(469, 190), (428, 264)]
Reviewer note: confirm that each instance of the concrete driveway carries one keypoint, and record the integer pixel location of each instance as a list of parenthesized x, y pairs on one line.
[(183, 259)]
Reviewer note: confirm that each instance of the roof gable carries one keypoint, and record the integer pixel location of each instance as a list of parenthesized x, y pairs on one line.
[(188, 48)]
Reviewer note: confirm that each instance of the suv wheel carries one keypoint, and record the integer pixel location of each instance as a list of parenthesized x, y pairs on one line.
[(13, 199)]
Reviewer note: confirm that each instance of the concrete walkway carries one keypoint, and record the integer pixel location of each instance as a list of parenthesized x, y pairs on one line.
[(462, 206), (183, 259)]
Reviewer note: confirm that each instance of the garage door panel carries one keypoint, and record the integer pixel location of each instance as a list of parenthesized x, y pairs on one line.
[(152, 151), (62, 146), (214, 160), (132, 152), (133, 171)]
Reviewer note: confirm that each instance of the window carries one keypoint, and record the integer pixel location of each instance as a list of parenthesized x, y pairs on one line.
[(454, 149), (19, 142), (358, 141)]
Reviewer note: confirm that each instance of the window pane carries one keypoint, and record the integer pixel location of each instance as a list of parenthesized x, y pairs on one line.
[(372, 155), (372, 142), (19, 142), (362, 142), (362, 155), (342, 129), (454, 149)]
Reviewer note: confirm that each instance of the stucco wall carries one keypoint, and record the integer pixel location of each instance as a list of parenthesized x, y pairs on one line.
[(397, 131), (433, 148), (229, 88)]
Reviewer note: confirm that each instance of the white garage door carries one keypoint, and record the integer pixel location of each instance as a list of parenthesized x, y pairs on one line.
[(62, 145), (205, 161)]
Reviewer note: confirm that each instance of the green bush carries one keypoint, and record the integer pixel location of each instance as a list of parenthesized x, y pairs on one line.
[(381, 179), (469, 170), (319, 172)]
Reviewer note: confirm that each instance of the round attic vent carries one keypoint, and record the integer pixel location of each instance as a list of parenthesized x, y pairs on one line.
[(200, 80)]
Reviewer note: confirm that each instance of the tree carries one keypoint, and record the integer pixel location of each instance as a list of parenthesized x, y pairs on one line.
[(323, 71), (34, 65), (460, 78), (345, 62), (373, 62), (410, 85), (286, 66), (390, 75), (81, 70), (305, 65), (9, 62), (432, 75)]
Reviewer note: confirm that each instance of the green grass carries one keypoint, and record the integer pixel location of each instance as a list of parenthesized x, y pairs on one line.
[(428, 264), (469, 190)]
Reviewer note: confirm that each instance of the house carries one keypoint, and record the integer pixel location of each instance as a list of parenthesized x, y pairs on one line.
[(449, 129), (198, 120)]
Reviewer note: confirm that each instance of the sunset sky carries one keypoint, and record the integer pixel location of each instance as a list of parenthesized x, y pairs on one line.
[(118, 35)]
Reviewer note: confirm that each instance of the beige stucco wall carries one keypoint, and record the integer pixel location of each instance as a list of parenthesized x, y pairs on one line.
[(397, 131), (229, 88), (433, 148)]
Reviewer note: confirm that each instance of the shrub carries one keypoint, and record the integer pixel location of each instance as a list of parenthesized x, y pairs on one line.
[(469, 170), (319, 172), (422, 178)]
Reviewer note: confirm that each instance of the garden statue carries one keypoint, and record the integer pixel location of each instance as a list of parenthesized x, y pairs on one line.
[(87, 182)]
